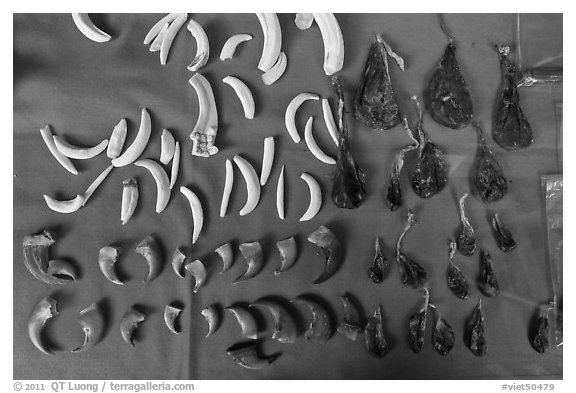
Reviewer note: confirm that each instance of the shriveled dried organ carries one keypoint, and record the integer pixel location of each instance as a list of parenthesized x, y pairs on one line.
[(443, 336), (378, 266), (456, 280), (465, 239), (474, 334), (488, 181), (417, 325), (503, 236), (487, 281), (411, 273)]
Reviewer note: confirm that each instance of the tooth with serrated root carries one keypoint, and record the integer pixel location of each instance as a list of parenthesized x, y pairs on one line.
[(277, 70), (129, 322), (227, 255), (320, 327), (197, 211), (77, 152), (117, 139), (129, 199), (315, 197), (285, 330), (171, 313), (290, 116), (202, 45), (48, 138), (152, 252), (252, 253), (157, 43), (246, 354), (244, 95), (313, 146), (107, 258), (280, 194), (204, 133), (41, 313), (169, 36), (231, 43), (333, 42), (272, 40), (89, 29), (246, 321), (227, 188), (267, 160), (329, 120), (167, 146), (252, 184), (162, 182), (288, 254), (175, 165), (303, 21), (212, 317), (93, 324), (197, 270), (139, 144), (179, 256)]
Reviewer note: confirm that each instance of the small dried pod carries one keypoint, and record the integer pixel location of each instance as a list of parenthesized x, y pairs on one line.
[(474, 335), (412, 274), (378, 266), (417, 325), (465, 239), (443, 336), (456, 280), (171, 313), (503, 236), (487, 281), (129, 322), (540, 328), (488, 181), (198, 271), (376, 343)]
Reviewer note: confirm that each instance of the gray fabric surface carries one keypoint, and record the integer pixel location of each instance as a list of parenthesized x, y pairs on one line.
[(82, 89)]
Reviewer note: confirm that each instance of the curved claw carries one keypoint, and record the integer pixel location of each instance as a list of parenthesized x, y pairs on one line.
[(252, 253), (117, 139), (246, 321), (227, 255), (92, 321), (288, 254), (62, 269), (285, 329), (35, 250), (46, 133), (212, 317), (246, 355), (198, 271), (41, 313), (66, 206), (320, 327), (332, 249), (162, 182), (107, 258), (89, 29), (178, 258), (171, 313), (152, 252), (130, 321), (351, 326)]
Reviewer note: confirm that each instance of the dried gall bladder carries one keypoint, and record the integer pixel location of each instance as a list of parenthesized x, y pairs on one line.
[(375, 103), (411, 273), (487, 282), (417, 325), (350, 326), (456, 280), (376, 343), (488, 181), (377, 268), (474, 335), (443, 337), (540, 328), (465, 238), (503, 236), (511, 129)]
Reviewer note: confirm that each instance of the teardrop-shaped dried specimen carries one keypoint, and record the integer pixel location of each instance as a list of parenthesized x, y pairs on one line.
[(487, 280), (511, 129), (417, 326), (351, 326), (430, 173), (411, 273), (447, 96), (466, 239), (502, 235), (378, 265), (375, 103), (348, 190), (540, 328), (376, 343), (474, 336), (488, 181), (456, 280), (443, 337)]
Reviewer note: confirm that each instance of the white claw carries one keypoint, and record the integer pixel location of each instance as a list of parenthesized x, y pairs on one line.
[(47, 136), (197, 212), (267, 160), (89, 29), (231, 43), (329, 120), (202, 46), (68, 206), (178, 258), (129, 199), (41, 313), (139, 144), (313, 146), (79, 153), (168, 145), (170, 35), (315, 197), (280, 194), (333, 42), (96, 183), (212, 317), (117, 139), (157, 28), (162, 182), (246, 321), (252, 184), (107, 258), (227, 188), (157, 43), (293, 106), (272, 40), (227, 255), (204, 133), (303, 21), (277, 70), (171, 313), (244, 95), (175, 165), (198, 271)]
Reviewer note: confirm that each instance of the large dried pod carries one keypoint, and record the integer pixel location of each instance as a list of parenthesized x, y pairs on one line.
[(331, 248), (443, 336), (488, 181), (456, 280), (540, 328), (376, 343), (487, 281), (378, 266), (417, 325), (474, 335), (503, 236), (465, 239), (412, 274)]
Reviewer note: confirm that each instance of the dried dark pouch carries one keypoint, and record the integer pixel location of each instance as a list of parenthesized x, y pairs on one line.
[(416, 331), (487, 281), (474, 337), (411, 273), (443, 337), (488, 181), (540, 333), (430, 174), (457, 282), (348, 183)]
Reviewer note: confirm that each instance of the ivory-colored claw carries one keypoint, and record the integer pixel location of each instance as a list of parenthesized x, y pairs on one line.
[(288, 254), (280, 194), (329, 120), (333, 42), (313, 146), (79, 153), (315, 197), (272, 40), (331, 248), (246, 321), (170, 35), (62, 269), (303, 21), (350, 327), (277, 70), (96, 183), (320, 327), (162, 182), (227, 188), (204, 133), (89, 29), (129, 322), (175, 165), (157, 28), (252, 253), (227, 255), (157, 43), (67, 206), (178, 258), (197, 270), (48, 137), (140, 142), (202, 45), (171, 313), (167, 146), (197, 212), (93, 324), (244, 95), (107, 258), (129, 199), (212, 317), (231, 43), (117, 139), (152, 252), (36, 259), (267, 160), (285, 330), (246, 355), (289, 118), (41, 313), (252, 184)]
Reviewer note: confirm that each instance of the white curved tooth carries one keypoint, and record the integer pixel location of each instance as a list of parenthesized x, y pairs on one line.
[(162, 182), (315, 197), (96, 183), (290, 119), (157, 43), (272, 40), (333, 42), (107, 258), (117, 139), (329, 120), (303, 21), (41, 313), (157, 28), (68, 206), (246, 321), (313, 146), (47, 136), (178, 258), (197, 212), (212, 317), (79, 153), (231, 43), (204, 133), (134, 151), (129, 322), (227, 254), (89, 29), (168, 146), (244, 95), (227, 188), (277, 70), (267, 159), (198, 271), (175, 165), (129, 199), (280, 194), (170, 35), (252, 184), (171, 313), (202, 45), (288, 251), (93, 324)]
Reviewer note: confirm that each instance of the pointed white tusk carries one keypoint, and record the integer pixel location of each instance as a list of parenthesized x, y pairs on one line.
[(290, 119), (333, 42), (162, 182), (157, 28), (79, 153), (252, 184), (313, 146), (277, 70), (47, 136), (267, 159), (329, 120), (68, 206), (315, 197), (89, 29), (202, 46), (167, 146), (175, 165), (244, 95), (157, 43), (170, 35), (134, 151), (227, 188), (280, 194), (272, 40), (117, 139), (197, 212), (96, 183), (204, 133), (231, 43)]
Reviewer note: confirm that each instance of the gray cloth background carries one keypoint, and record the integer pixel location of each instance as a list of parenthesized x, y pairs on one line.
[(82, 89)]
